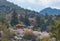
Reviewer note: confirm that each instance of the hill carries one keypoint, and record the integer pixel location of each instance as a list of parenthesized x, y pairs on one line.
[(6, 7), (50, 11)]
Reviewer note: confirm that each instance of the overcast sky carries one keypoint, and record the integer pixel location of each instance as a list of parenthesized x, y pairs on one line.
[(37, 5)]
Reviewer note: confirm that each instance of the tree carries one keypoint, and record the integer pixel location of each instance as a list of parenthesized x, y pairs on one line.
[(21, 18), (46, 16), (50, 21), (56, 30), (25, 19), (28, 35), (38, 21), (14, 19)]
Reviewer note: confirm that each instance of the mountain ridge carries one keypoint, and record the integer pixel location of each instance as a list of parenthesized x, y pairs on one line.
[(6, 7), (50, 11)]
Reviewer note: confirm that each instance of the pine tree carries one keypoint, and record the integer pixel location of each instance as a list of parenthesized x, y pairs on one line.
[(38, 21), (21, 18), (14, 19), (26, 20)]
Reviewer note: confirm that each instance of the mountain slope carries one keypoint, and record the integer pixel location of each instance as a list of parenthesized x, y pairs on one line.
[(6, 7), (50, 11)]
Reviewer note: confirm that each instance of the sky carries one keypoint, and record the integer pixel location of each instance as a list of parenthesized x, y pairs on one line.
[(36, 5)]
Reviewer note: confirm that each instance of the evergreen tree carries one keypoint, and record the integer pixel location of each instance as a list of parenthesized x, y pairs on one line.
[(21, 18), (56, 30), (14, 19), (38, 21), (46, 16), (26, 20)]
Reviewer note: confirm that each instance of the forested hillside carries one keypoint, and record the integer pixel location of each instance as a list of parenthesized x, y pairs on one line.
[(6, 7), (19, 24), (50, 11), (41, 20)]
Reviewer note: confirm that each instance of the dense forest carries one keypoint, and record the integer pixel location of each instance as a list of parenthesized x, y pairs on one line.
[(41, 20), (8, 8)]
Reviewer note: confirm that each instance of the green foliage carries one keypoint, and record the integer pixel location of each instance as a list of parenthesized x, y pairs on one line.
[(29, 36), (56, 30), (25, 20), (38, 21), (14, 19), (36, 28), (21, 18), (5, 39)]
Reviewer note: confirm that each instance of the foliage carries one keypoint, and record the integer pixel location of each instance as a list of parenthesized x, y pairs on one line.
[(38, 21), (5, 39), (25, 19), (29, 35), (56, 30), (46, 39), (14, 19)]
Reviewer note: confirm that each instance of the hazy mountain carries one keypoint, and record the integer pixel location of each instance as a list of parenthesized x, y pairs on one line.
[(50, 11)]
